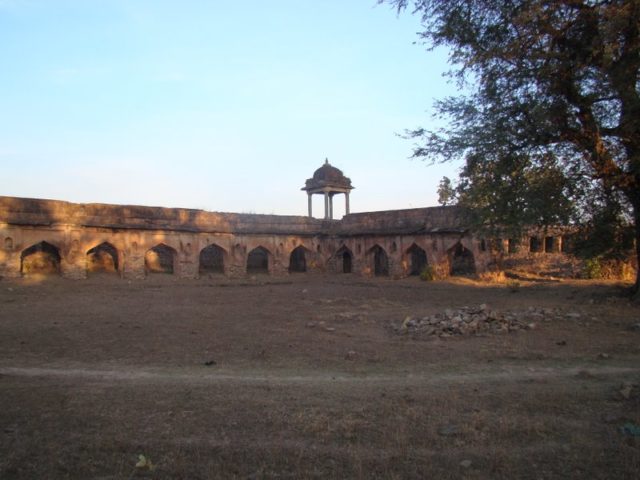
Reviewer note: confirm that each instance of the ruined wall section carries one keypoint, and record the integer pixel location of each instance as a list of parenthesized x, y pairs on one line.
[(374, 240), (437, 231)]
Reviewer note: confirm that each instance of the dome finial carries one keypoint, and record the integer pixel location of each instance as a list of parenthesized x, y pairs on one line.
[(326, 161)]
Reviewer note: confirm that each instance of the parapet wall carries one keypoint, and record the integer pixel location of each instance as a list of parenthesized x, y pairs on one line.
[(409, 221), (28, 211)]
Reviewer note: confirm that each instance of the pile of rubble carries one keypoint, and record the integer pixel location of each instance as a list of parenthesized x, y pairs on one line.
[(476, 320)]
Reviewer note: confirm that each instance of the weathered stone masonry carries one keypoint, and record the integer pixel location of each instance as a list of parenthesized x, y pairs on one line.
[(74, 240), (133, 241)]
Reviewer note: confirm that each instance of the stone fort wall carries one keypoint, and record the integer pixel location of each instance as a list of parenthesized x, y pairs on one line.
[(74, 240)]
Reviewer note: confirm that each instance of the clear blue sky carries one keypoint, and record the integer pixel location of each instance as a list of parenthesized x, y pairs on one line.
[(225, 106)]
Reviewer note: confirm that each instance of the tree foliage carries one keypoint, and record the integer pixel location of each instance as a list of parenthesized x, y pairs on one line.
[(553, 111), (446, 192), (510, 193)]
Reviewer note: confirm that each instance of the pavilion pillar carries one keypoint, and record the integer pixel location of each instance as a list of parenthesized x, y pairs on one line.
[(310, 204), (326, 205), (330, 206), (346, 203)]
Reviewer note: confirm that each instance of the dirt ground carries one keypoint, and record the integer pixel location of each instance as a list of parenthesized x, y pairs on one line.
[(305, 377)]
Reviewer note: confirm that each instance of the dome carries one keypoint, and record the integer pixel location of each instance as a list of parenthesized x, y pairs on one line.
[(328, 176)]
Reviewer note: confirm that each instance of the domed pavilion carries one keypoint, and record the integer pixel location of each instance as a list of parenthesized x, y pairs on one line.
[(328, 181)]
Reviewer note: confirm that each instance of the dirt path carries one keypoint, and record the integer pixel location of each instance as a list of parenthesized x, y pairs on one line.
[(503, 374)]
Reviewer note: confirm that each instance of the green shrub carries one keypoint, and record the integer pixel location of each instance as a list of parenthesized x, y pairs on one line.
[(428, 274), (592, 268)]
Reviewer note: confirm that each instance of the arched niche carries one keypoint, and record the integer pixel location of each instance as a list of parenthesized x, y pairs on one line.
[(258, 260), (417, 259), (344, 259), (380, 261), (298, 260), (212, 259), (160, 259), (102, 258), (461, 260), (41, 258)]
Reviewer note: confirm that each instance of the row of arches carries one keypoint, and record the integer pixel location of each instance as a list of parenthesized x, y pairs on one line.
[(44, 258)]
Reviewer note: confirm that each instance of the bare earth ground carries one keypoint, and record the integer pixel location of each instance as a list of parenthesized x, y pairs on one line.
[(242, 379)]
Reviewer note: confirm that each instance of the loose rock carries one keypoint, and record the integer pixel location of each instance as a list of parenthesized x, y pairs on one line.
[(448, 430), (475, 321)]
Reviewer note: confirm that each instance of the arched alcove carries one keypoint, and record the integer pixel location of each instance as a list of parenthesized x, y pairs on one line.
[(380, 261), (211, 259), (41, 258), (102, 258), (535, 245), (298, 260), (160, 259), (417, 259), (344, 259), (258, 260), (461, 260)]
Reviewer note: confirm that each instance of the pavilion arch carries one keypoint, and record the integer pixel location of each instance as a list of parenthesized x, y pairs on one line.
[(258, 260), (380, 261), (298, 259), (103, 258), (212, 259), (344, 259), (461, 260), (416, 258), (160, 259), (42, 258)]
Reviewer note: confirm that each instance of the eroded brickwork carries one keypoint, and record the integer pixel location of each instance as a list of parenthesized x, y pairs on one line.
[(75, 240)]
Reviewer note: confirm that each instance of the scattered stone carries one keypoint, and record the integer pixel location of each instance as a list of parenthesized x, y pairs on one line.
[(448, 430), (562, 343), (311, 324), (329, 329), (625, 390), (208, 363), (635, 327), (604, 356), (304, 290), (408, 322), (573, 315), (351, 355), (347, 316), (475, 321), (465, 463)]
